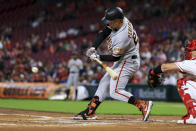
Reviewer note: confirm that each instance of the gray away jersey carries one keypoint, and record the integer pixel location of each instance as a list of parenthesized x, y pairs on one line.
[(124, 42), (75, 65)]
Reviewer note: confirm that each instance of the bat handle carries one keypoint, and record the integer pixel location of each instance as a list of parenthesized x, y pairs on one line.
[(100, 62), (108, 69)]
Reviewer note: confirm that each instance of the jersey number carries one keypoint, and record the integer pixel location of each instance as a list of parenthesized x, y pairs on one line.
[(135, 38)]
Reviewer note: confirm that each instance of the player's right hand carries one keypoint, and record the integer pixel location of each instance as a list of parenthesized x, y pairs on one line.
[(90, 51), (93, 56)]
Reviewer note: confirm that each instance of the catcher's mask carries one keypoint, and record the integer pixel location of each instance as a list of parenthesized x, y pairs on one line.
[(189, 46)]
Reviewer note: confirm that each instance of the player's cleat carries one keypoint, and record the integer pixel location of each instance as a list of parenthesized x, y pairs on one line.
[(89, 112), (187, 120), (145, 108), (81, 117)]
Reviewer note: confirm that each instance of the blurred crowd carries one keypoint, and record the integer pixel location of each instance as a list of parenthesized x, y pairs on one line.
[(158, 44)]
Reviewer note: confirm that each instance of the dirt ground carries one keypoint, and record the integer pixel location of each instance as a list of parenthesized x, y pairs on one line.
[(17, 120)]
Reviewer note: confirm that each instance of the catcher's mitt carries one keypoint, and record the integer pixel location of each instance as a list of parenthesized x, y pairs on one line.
[(154, 80)]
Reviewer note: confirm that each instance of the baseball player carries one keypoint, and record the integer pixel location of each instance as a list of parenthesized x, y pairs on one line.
[(186, 86), (123, 48), (74, 65)]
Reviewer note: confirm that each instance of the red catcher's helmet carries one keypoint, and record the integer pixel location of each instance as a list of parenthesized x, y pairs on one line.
[(190, 46)]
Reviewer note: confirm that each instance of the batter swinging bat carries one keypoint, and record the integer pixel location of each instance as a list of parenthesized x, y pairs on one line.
[(108, 69)]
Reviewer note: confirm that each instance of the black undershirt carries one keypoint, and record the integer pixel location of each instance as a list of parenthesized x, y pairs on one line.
[(101, 36), (99, 39), (109, 58)]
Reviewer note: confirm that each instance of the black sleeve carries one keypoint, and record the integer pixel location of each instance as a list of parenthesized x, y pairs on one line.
[(101, 36), (158, 70), (109, 58)]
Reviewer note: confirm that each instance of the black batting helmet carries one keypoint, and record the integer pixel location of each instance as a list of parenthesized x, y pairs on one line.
[(112, 14)]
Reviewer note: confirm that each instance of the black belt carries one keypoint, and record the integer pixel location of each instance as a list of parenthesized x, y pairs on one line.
[(134, 57)]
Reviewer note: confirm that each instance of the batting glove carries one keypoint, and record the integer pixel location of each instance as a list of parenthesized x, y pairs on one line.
[(90, 51), (93, 56)]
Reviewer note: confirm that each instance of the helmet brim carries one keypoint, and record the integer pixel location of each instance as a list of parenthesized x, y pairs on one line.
[(105, 21)]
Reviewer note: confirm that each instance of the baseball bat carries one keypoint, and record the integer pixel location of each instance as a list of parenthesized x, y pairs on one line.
[(108, 69)]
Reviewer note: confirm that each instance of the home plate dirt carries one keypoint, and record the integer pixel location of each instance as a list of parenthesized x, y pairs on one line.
[(17, 120)]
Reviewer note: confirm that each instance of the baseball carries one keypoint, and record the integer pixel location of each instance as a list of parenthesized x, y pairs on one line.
[(34, 69)]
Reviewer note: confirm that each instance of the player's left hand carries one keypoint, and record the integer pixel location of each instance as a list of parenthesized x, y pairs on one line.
[(90, 51), (93, 56)]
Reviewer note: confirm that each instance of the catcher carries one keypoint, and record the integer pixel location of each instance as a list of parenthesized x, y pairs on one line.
[(186, 86)]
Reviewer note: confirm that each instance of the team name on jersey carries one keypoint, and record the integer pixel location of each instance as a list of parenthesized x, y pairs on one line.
[(109, 41), (134, 35), (129, 30)]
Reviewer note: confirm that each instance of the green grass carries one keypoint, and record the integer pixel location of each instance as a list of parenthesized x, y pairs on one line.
[(107, 107)]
